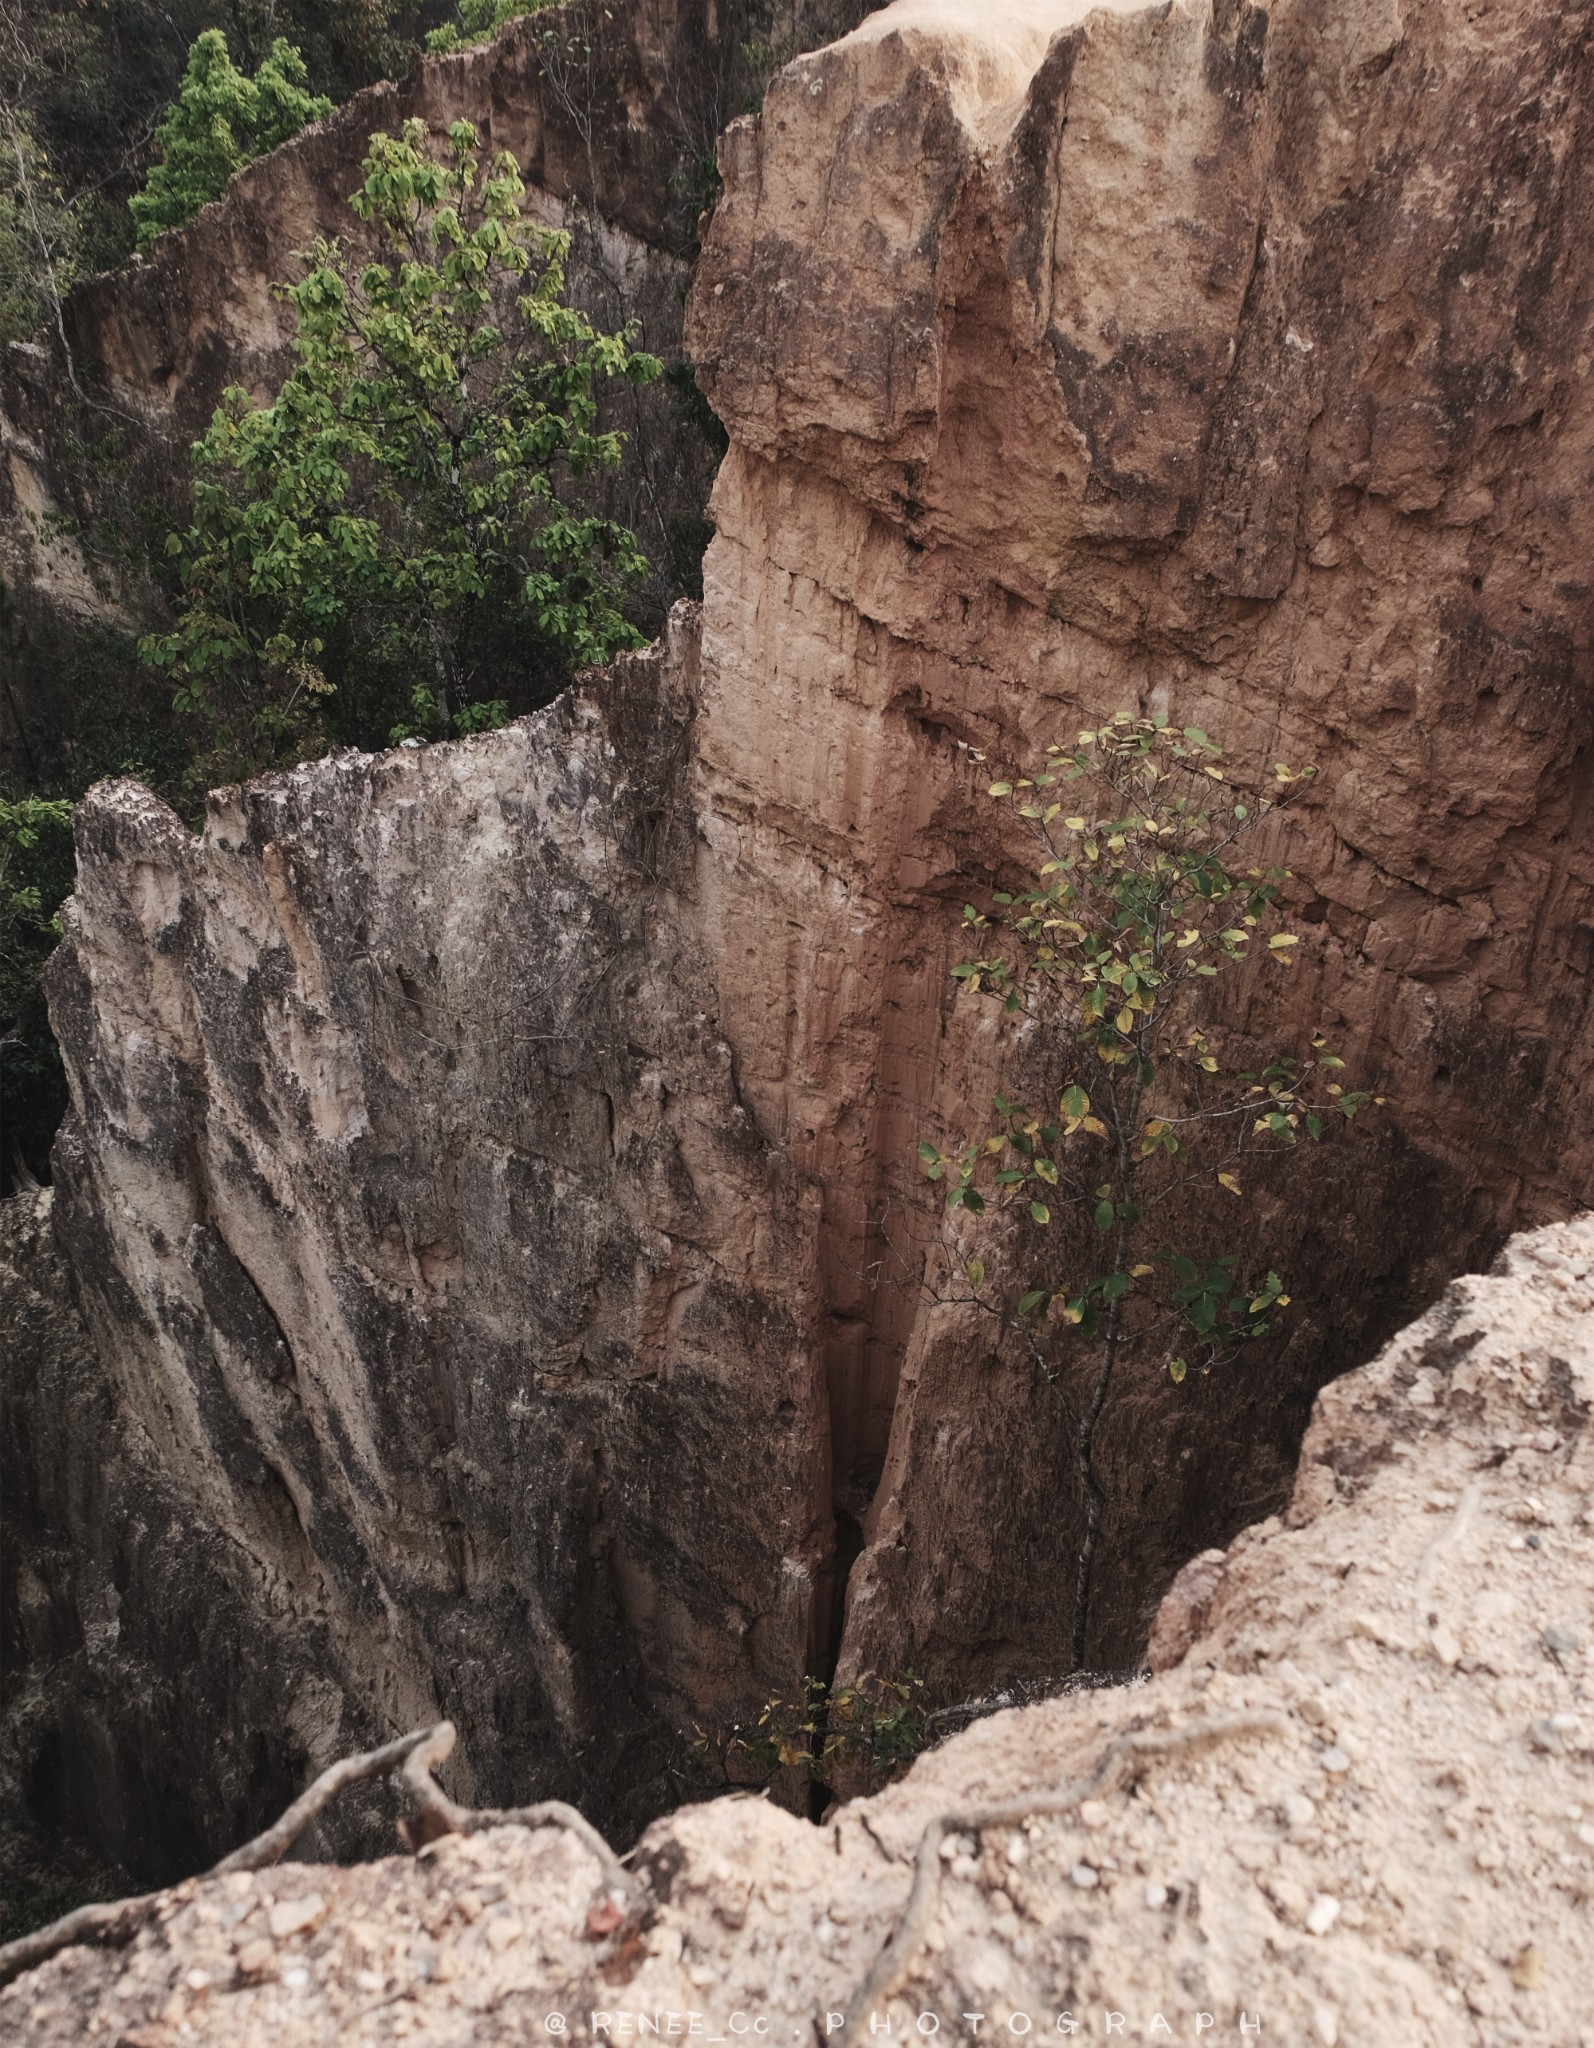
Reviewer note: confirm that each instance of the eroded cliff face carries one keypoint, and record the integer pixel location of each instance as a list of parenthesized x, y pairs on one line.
[(1218, 359), (437, 1266), (491, 1179), (1351, 1804)]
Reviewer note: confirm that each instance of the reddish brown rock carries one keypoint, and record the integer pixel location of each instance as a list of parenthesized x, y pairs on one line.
[(492, 1183), (1355, 1811), (1221, 359)]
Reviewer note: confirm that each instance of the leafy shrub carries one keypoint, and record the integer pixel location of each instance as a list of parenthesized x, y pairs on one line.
[(479, 21), (1135, 904), (873, 1729), (220, 121), (400, 509)]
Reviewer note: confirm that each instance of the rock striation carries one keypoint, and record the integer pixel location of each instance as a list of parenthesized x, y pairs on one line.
[(1224, 359), (1352, 1803), (490, 1185), (436, 1266)]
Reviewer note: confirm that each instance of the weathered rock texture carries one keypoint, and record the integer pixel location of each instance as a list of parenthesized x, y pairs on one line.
[(436, 1265), (490, 1184), (1226, 359), (130, 1613), (1401, 1856)]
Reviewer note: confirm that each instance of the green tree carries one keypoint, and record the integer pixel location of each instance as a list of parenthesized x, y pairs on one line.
[(479, 21), (35, 878), (393, 536), (1135, 904), (38, 231), (220, 121)]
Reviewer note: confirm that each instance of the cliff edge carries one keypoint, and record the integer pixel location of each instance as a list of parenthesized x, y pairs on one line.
[(1354, 1804), (491, 1179)]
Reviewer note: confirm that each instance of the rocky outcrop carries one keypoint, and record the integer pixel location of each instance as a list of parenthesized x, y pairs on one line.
[(1218, 358), (491, 1178), (437, 1266), (128, 1613), (1353, 1804)]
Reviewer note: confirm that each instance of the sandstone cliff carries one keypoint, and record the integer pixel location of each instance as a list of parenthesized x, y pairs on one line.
[(1218, 358), (438, 1271), (490, 1181), (1355, 1804)]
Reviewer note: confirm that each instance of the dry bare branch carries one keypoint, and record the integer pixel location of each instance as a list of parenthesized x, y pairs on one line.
[(439, 1815), (413, 1756)]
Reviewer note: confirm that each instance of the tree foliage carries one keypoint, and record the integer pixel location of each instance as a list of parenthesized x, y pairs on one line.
[(832, 1733), (395, 535), (220, 121), (479, 21), (35, 877), (1136, 902), (39, 230)]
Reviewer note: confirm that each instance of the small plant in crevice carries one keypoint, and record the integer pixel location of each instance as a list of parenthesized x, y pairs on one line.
[(870, 1730), (1136, 902)]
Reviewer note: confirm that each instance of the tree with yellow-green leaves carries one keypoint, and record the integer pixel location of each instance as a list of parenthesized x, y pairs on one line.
[(399, 533), (1136, 903), (221, 120)]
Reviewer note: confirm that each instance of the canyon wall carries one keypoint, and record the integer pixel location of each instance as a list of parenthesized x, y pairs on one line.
[(1216, 359), (1350, 1804), (490, 1183), (436, 1266)]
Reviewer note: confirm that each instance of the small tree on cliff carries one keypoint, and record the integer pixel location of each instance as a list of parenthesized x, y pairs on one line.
[(395, 525), (479, 21), (1135, 904), (221, 120)]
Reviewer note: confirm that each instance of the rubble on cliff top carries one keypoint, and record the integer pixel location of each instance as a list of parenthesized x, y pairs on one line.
[(1360, 1810)]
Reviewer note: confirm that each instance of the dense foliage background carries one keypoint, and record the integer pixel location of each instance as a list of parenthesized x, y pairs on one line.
[(85, 84)]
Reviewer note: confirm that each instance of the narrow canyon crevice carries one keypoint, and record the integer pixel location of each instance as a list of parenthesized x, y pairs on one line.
[(558, 1090)]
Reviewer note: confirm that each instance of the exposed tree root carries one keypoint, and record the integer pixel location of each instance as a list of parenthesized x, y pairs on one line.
[(1121, 1762), (414, 1756), (438, 1815)]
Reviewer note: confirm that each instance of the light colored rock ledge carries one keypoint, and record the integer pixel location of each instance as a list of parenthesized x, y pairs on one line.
[(1393, 1844)]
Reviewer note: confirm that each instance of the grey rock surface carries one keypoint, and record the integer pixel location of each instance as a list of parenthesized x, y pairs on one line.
[(434, 1264)]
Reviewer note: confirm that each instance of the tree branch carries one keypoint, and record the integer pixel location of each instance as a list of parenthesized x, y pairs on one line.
[(414, 1757)]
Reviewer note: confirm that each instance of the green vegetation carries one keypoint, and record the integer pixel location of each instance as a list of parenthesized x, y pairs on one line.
[(479, 21), (220, 121), (35, 879), (403, 508), (84, 85), (1134, 905), (40, 232), (835, 1735)]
